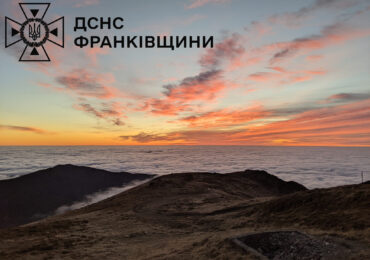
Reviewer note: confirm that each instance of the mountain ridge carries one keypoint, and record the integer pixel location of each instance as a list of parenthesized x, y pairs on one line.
[(33, 196), (196, 216)]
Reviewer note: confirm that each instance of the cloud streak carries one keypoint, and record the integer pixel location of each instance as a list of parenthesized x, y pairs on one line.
[(227, 50), (84, 3), (85, 84), (177, 98), (337, 125), (112, 112), (225, 117), (295, 18), (200, 3), (346, 97), (24, 129), (330, 35), (183, 137), (281, 76)]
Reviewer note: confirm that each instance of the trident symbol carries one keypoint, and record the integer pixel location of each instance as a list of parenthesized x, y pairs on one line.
[(34, 33)]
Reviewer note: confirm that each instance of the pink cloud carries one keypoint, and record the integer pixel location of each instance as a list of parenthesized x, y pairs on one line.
[(84, 3), (164, 107), (92, 54), (229, 49), (282, 76), (200, 3), (112, 112), (314, 57), (259, 29), (330, 35), (82, 83), (295, 18)]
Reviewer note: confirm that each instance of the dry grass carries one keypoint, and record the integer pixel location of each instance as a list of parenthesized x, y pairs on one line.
[(193, 216)]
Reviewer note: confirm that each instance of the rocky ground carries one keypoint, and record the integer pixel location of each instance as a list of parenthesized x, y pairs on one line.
[(282, 245)]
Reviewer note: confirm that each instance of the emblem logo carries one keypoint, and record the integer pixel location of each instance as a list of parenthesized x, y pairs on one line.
[(34, 32)]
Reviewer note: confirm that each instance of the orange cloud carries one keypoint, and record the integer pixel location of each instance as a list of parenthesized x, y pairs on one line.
[(183, 137), (205, 86), (164, 107), (24, 129), (225, 117), (339, 125), (206, 91), (343, 125)]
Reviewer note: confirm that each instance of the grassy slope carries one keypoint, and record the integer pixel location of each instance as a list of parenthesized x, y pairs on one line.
[(192, 216)]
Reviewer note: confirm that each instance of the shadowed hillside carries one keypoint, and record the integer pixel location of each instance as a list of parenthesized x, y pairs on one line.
[(195, 216), (36, 195)]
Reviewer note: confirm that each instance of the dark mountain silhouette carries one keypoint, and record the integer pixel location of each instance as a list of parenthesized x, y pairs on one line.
[(36, 195)]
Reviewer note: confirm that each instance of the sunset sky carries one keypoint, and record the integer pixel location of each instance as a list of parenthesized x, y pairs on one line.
[(289, 72)]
